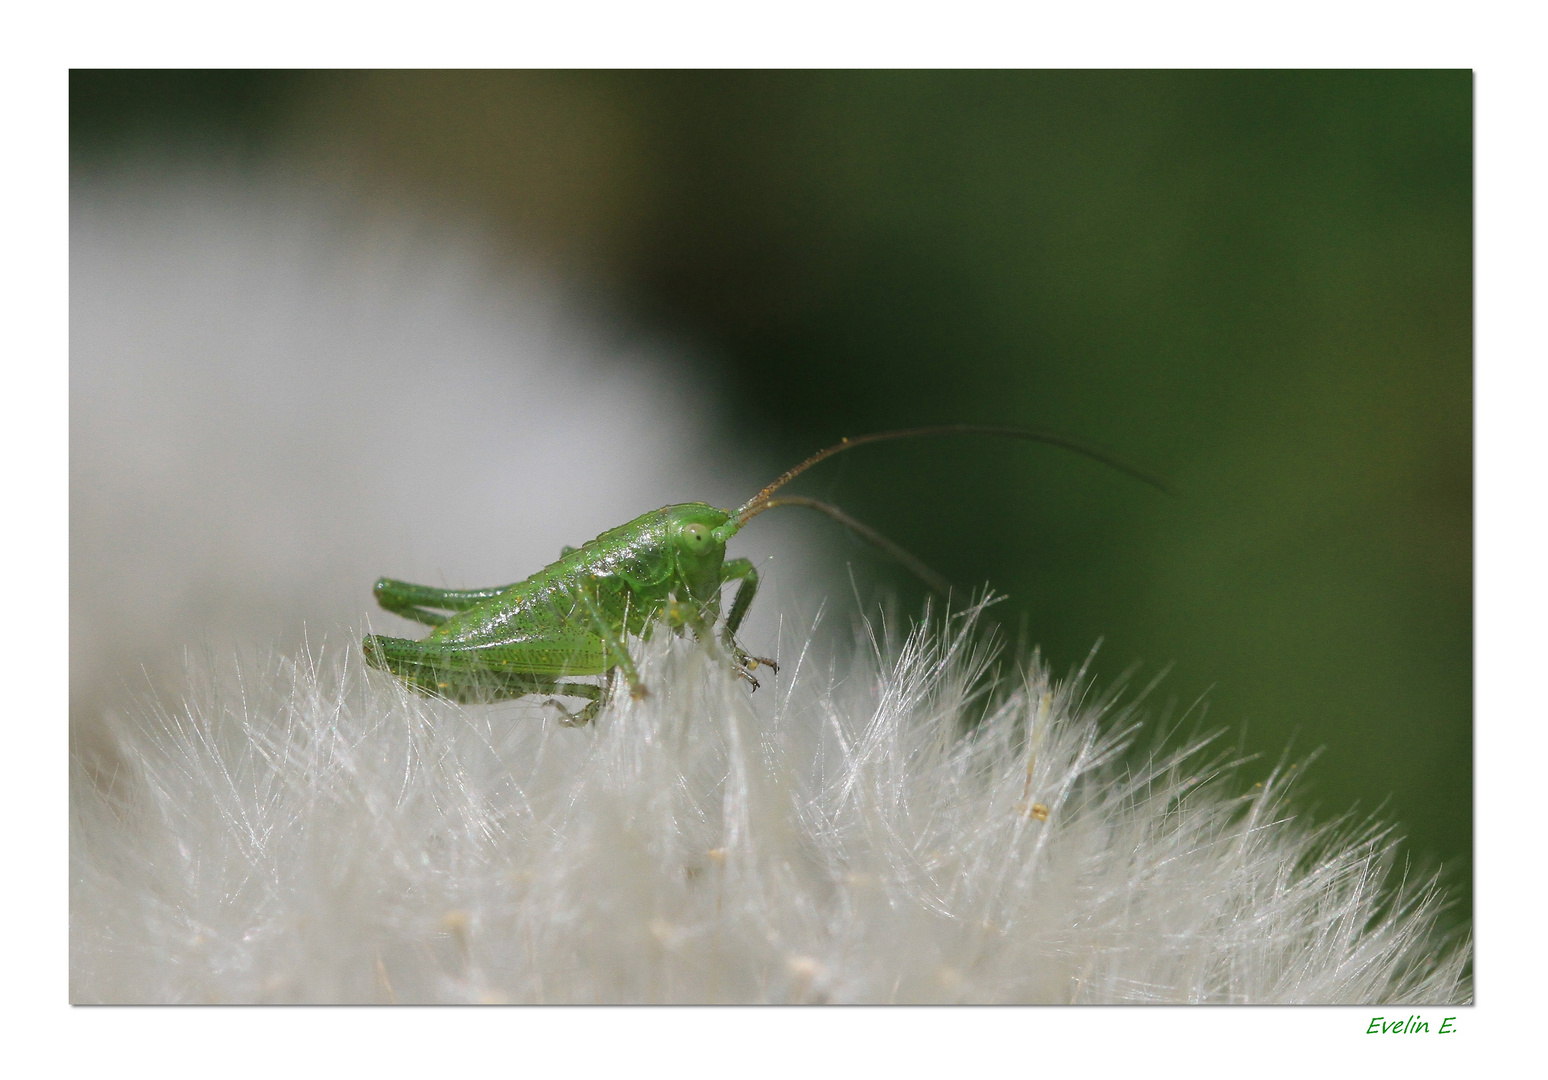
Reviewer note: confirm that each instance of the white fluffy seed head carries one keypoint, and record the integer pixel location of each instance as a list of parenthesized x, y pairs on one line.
[(911, 822)]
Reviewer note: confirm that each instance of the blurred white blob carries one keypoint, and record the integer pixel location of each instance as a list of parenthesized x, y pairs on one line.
[(315, 833), (277, 396)]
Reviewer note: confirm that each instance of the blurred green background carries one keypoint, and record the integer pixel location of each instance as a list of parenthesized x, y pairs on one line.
[(1258, 284)]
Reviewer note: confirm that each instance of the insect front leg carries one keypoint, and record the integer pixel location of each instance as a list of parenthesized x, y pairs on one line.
[(744, 571), (687, 613)]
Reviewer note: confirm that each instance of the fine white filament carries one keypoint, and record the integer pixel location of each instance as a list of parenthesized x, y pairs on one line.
[(916, 821)]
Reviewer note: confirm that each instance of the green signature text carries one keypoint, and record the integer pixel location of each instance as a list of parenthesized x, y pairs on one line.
[(1381, 1025)]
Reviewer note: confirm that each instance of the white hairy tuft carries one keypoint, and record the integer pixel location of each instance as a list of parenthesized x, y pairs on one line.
[(914, 822)]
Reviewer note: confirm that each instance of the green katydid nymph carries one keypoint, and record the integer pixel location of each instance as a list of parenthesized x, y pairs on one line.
[(574, 617)]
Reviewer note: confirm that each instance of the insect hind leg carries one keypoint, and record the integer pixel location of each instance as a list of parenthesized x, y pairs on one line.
[(427, 671), (415, 601)]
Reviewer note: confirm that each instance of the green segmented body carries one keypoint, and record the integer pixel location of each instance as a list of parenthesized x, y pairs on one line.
[(574, 617), (571, 618)]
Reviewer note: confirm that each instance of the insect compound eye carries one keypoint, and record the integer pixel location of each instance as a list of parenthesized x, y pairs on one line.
[(696, 537)]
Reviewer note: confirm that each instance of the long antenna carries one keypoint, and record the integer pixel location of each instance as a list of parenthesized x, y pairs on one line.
[(865, 532), (761, 502)]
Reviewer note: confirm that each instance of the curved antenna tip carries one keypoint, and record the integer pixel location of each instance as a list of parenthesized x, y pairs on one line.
[(759, 502)]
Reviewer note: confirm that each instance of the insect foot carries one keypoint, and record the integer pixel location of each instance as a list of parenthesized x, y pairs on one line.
[(579, 718), (744, 666)]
